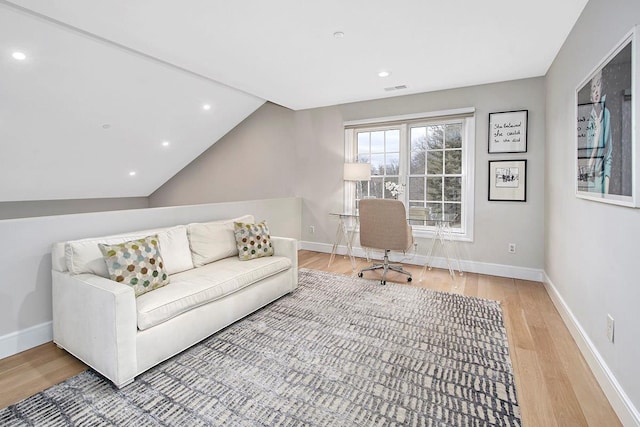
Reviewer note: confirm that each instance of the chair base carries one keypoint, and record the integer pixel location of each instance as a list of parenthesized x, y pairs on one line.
[(386, 266)]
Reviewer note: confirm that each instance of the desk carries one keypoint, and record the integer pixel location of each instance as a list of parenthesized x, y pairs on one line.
[(443, 235), (442, 224), (344, 233)]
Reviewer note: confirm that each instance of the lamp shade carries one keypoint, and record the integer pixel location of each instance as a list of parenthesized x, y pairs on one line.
[(357, 171)]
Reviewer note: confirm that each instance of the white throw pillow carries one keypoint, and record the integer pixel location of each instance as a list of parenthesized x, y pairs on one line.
[(174, 245), (211, 241), (84, 256)]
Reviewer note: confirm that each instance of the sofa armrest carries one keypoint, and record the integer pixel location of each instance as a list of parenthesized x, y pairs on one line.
[(287, 247), (95, 320)]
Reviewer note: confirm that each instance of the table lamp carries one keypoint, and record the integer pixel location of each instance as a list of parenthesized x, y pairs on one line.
[(357, 172)]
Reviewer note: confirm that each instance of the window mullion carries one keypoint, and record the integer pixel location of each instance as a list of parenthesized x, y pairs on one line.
[(350, 151), (442, 176), (403, 170)]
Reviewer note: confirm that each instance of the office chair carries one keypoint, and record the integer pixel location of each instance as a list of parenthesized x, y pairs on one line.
[(383, 225)]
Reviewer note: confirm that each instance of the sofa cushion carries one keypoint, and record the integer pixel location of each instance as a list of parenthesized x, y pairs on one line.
[(202, 285), (174, 245), (137, 263), (253, 240), (84, 256), (212, 241)]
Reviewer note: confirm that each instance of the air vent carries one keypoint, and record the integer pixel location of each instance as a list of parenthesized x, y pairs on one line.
[(389, 89)]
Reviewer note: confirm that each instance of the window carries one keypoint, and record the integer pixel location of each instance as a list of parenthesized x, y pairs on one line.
[(381, 149), (429, 157)]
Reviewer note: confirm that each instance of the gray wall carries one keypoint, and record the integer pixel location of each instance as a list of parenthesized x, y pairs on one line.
[(253, 161), (320, 144), (591, 248), (301, 153), (27, 209)]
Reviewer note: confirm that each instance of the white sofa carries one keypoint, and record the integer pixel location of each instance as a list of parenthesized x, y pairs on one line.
[(102, 323)]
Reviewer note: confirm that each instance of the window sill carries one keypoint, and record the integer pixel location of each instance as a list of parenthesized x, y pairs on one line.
[(429, 234), (425, 234)]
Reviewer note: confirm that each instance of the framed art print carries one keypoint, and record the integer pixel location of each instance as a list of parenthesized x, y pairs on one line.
[(508, 180), (606, 110), (508, 132)]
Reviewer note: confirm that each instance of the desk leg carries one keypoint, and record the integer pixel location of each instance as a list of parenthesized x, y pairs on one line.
[(349, 237), (445, 238), (445, 248), (427, 265), (343, 233), (336, 242), (456, 250)]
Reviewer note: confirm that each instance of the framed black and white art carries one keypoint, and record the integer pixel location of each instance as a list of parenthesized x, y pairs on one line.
[(508, 180), (607, 106), (508, 132)]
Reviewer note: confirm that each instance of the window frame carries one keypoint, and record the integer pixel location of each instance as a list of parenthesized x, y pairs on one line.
[(405, 123)]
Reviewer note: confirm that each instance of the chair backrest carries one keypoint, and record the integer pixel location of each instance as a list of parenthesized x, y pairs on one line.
[(383, 225)]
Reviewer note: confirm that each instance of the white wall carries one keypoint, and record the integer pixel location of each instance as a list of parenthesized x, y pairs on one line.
[(25, 271), (591, 248)]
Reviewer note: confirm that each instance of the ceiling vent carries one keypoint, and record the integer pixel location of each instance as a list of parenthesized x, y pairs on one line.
[(389, 89)]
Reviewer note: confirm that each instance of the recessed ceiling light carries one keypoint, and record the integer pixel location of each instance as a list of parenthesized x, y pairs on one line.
[(165, 143), (206, 107), (132, 173), (338, 34), (384, 74), (19, 56)]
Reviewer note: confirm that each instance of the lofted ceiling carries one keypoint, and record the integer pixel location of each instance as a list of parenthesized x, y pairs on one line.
[(104, 83)]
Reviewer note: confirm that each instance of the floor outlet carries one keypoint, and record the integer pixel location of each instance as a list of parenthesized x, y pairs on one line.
[(610, 327)]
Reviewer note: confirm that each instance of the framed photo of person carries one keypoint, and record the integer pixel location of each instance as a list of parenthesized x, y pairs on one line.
[(606, 109), (508, 180), (508, 132)]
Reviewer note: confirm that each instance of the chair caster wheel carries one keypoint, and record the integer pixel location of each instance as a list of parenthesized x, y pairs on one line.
[(360, 274), (409, 279), (383, 282)]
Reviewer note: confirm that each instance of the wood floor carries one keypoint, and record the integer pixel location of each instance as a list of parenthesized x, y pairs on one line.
[(554, 384)]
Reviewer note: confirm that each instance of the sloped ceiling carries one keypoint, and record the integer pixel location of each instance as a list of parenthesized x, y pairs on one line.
[(78, 115), (146, 67)]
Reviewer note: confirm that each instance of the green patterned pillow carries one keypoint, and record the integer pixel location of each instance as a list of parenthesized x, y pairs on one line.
[(253, 240), (136, 263)]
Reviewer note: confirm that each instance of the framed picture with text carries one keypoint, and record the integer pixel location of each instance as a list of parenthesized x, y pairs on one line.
[(508, 132), (508, 180)]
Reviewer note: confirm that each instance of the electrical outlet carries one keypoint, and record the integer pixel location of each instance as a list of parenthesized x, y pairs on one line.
[(312, 229), (512, 248), (610, 327)]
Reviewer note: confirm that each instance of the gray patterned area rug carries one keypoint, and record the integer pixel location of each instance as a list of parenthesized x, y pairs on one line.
[(339, 351)]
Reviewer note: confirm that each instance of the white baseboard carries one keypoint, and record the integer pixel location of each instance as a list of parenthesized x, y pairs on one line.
[(501, 270), (622, 405), (25, 339)]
